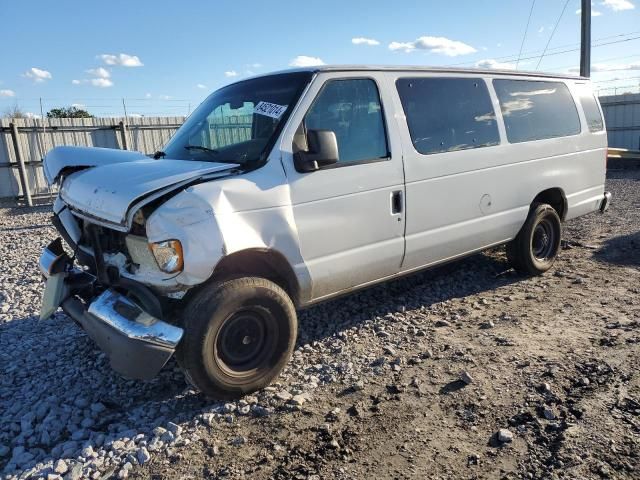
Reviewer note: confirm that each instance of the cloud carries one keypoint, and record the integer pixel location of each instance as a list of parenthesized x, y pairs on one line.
[(201, 86), (165, 97), (122, 60), (594, 13), (99, 72), (101, 82), (254, 65), (364, 41), (495, 65), (76, 82), (609, 67), (78, 105), (147, 95), (440, 45), (7, 93), (305, 61), (37, 75), (230, 73), (618, 5)]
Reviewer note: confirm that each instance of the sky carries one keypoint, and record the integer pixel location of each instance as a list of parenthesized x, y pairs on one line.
[(164, 58)]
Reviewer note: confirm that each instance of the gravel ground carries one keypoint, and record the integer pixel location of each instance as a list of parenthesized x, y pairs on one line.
[(466, 371)]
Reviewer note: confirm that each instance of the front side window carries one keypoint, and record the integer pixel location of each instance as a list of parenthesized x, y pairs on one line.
[(590, 107), (448, 114), (351, 109), (240, 122), (535, 110)]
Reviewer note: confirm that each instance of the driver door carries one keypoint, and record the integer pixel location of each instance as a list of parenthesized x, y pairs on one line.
[(349, 215)]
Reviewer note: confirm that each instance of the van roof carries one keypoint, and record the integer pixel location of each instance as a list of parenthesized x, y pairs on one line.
[(414, 68)]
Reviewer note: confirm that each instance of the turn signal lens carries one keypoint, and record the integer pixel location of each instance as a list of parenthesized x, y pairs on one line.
[(168, 255)]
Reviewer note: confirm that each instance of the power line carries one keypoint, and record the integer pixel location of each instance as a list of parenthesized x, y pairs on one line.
[(530, 52), (524, 35), (552, 33), (577, 49)]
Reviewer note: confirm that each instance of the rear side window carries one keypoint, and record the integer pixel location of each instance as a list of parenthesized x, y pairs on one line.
[(535, 110), (448, 114), (590, 109), (351, 109)]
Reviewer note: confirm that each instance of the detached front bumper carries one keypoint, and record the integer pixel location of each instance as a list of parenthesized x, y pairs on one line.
[(137, 343)]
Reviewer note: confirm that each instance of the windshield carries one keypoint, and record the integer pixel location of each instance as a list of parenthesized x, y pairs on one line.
[(240, 122)]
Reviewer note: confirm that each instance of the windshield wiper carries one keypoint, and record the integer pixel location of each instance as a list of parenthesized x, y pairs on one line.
[(201, 148), (209, 150), (158, 155)]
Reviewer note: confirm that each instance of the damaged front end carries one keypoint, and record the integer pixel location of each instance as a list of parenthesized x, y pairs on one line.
[(122, 316), (107, 275)]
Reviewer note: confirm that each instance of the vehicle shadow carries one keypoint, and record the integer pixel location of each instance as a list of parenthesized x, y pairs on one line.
[(622, 250), (462, 278)]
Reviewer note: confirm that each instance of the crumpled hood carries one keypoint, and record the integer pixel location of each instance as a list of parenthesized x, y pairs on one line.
[(111, 182)]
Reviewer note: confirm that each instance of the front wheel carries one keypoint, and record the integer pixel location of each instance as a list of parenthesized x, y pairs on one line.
[(535, 248), (239, 335)]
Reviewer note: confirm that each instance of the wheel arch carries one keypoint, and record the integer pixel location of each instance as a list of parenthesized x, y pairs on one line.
[(556, 198), (260, 262)]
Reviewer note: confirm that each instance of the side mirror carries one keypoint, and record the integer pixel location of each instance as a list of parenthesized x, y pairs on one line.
[(323, 150)]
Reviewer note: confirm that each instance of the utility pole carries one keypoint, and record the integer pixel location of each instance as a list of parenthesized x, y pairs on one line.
[(585, 39)]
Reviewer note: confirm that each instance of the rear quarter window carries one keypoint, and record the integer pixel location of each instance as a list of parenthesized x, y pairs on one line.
[(590, 108), (448, 114), (535, 110)]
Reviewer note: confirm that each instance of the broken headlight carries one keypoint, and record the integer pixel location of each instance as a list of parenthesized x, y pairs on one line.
[(168, 255)]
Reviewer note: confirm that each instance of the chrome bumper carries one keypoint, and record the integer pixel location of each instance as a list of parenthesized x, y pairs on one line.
[(137, 343), (606, 201)]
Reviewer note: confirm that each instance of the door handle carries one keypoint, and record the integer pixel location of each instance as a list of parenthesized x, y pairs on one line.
[(396, 202)]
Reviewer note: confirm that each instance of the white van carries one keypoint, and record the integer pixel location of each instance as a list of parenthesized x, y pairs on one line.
[(288, 189)]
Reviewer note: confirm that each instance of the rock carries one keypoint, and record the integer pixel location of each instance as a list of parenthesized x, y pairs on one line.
[(238, 441), (358, 386), (143, 455), (174, 428), (4, 450), (284, 396), (389, 350), (548, 413), (488, 324), (442, 323), (75, 473), (229, 408), (60, 467), (466, 377), (298, 400), (505, 435)]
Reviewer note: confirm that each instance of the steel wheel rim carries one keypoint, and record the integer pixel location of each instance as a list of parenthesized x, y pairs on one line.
[(543, 240), (245, 342)]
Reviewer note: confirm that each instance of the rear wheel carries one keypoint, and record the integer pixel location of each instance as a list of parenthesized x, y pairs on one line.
[(239, 335), (535, 248)]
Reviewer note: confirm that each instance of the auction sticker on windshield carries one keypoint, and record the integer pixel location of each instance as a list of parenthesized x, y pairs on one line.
[(272, 110)]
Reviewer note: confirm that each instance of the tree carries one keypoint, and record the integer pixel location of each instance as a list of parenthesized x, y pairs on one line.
[(68, 112), (14, 112)]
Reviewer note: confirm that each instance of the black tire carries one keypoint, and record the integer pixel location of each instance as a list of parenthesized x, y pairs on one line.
[(239, 335), (535, 248)]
